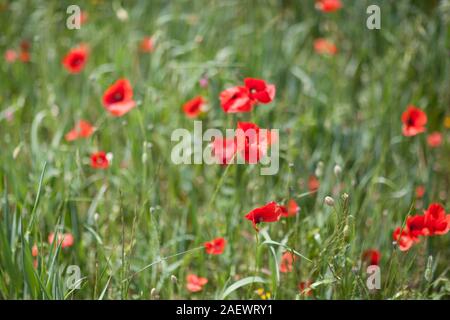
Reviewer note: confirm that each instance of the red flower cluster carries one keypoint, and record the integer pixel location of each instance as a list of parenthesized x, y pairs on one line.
[(270, 212), (434, 221), (243, 98), (76, 59), (23, 55)]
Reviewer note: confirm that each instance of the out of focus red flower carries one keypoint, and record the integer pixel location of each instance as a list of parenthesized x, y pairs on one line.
[(287, 260), (99, 160), (215, 246), (75, 60), (34, 250), (291, 210), (118, 98), (436, 221), (414, 121), (224, 150), (252, 142), (65, 239), (195, 283), (305, 288), (270, 212), (10, 55), (83, 129), (259, 90), (434, 139), (420, 191), (24, 56), (313, 183), (403, 239), (84, 17), (323, 46), (371, 256), (236, 99), (146, 45), (328, 5), (194, 107)]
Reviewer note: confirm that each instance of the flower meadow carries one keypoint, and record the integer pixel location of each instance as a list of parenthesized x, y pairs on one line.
[(93, 207)]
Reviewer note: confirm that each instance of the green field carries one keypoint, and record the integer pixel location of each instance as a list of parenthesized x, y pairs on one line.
[(139, 225)]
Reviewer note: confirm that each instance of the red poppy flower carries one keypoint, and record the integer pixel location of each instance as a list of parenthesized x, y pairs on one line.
[(10, 55), (65, 239), (223, 150), (323, 46), (252, 142), (403, 239), (313, 183), (414, 121), (270, 212), (259, 90), (305, 288), (291, 210), (24, 56), (287, 260), (83, 129), (328, 5), (420, 191), (215, 246), (146, 45), (236, 99), (436, 221), (99, 160), (76, 59), (371, 256), (195, 283), (84, 17), (194, 107), (434, 139), (415, 225), (118, 98)]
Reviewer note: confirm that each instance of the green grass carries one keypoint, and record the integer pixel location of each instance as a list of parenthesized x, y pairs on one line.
[(145, 219)]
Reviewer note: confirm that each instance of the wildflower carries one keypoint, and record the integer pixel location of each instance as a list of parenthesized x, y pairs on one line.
[(215, 246), (414, 121), (195, 283), (224, 150), (99, 160), (82, 129), (270, 212), (194, 107), (291, 210), (328, 5), (372, 256), (10, 55), (323, 46), (259, 90), (146, 45), (118, 98), (287, 260), (420, 191), (236, 99), (65, 239), (305, 288), (76, 59), (434, 139), (436, 221), (313, 183)]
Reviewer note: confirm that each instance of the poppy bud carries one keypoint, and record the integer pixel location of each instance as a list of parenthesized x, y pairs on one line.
[(154, 294), (173, 279), (344, 196), (337, 170), (329, 201)]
